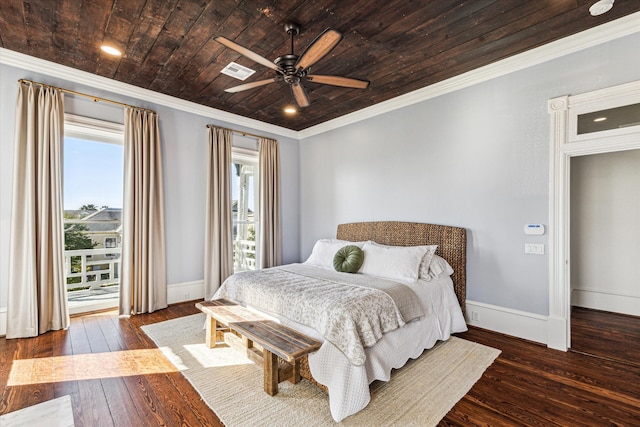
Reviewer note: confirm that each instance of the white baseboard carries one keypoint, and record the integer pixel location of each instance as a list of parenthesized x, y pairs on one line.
[(529, 326), (605, 300), (185, 291), (176, 292), (3, 321)]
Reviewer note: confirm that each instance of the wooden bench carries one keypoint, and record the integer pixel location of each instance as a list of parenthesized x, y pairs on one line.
[(227, 319)]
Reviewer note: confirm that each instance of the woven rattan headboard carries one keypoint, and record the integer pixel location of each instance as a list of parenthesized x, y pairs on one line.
[(451, 241)]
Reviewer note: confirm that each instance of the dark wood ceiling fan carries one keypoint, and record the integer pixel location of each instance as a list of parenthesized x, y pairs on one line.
[(295, 69)]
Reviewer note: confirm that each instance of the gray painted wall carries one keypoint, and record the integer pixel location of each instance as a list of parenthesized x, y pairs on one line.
[(184, 148), (476, 158)]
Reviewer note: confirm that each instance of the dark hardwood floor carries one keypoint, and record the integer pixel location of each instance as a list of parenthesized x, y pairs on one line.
[(527, 385), (607, 335)]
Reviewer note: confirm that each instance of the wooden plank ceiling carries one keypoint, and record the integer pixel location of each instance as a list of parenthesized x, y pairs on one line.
[(399, 45)]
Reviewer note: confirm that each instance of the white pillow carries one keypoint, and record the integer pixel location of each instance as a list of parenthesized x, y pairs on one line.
[(392, 262), (325, 249), (438, 268)]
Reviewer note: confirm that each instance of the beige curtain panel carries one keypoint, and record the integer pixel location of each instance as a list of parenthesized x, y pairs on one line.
[(37, 297), (218, 241), (143, 286), (270, 223)]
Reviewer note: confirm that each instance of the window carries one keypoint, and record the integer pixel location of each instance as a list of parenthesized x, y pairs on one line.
[(110, 242), (244, 207), (613, 118)]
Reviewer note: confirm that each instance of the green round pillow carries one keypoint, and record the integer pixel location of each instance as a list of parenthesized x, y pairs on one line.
[(348, 259)]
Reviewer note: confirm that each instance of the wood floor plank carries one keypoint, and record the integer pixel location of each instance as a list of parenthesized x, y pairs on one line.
[(62, 347), (123, 408), (95, 408), (534, 385), (34, 348), (144, 390), (177, 407), (600, 333), (8, 349)]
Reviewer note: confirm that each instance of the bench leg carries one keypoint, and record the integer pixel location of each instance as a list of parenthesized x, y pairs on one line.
[(295, 374), (270, 367), (212, 325)]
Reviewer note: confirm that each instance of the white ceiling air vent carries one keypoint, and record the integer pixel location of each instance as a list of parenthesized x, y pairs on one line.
[(237, 71)]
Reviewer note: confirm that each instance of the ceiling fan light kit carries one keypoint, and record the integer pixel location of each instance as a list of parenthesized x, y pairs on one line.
[(294, 69)]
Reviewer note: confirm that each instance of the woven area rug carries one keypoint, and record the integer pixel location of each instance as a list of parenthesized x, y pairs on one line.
[(421, 393)]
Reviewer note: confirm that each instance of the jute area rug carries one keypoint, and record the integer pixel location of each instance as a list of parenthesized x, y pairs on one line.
[(419, 394)]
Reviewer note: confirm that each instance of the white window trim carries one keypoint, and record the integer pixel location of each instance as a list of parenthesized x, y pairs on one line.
[(81, 127), (244, 155)]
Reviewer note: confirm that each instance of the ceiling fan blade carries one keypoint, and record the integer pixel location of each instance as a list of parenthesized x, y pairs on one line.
[(250, 85), (318, 48), (339, 81), (300, 95), (246, 52)]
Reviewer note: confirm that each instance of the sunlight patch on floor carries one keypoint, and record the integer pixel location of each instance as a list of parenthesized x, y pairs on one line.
[(216, 357), (89, 366)]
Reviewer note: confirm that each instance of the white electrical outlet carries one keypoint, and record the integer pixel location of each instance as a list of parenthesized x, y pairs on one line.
[(475, 316)]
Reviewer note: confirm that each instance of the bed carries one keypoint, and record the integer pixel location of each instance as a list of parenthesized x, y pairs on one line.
[(344, 372)]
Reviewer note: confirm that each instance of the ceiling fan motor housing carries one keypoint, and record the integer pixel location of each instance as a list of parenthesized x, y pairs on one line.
[(288, 64)]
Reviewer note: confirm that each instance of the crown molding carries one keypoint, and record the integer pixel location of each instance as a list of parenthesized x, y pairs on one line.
[(612, 30), (30, 63)]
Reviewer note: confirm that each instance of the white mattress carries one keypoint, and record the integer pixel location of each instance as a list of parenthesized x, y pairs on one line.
[(349, 384)]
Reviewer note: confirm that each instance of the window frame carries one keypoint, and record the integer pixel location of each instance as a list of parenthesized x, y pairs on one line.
[(102, 131), (251, 157)]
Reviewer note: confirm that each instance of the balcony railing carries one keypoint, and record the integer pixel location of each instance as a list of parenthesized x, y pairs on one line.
[(92, 268), (244, 255)]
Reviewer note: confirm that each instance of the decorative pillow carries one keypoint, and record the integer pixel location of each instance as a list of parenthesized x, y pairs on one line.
[(348, 259), (325, 249), (439, 267), (423, 271), (392, 262)]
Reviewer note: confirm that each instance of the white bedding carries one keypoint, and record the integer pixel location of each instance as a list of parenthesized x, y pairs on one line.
[(349, 384)]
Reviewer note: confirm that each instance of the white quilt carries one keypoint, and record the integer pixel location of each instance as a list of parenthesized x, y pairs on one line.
[(348, 384)]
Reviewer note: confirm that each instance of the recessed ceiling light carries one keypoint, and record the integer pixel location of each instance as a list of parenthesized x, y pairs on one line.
[(111, 50), (290, 109), (600, 119), (600, 7)]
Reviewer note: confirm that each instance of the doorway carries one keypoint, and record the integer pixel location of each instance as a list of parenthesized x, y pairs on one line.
[(605, 247), (581, 125), (93, 214)]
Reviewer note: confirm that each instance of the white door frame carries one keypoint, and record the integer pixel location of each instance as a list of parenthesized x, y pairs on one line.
[(566, 143)]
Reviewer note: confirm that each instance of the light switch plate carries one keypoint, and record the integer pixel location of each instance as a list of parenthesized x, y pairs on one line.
[(533, 248)]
